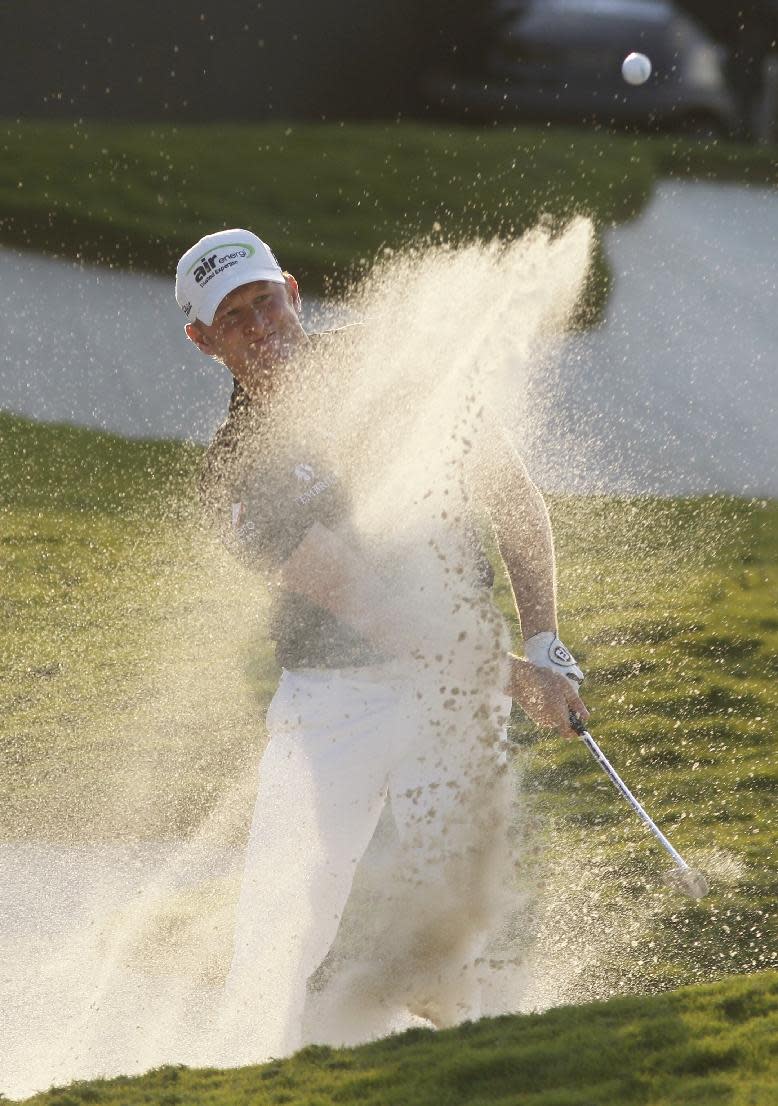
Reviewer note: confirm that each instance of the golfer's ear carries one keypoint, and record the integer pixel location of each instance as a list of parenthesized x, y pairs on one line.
[(194, 333), (294, 291)]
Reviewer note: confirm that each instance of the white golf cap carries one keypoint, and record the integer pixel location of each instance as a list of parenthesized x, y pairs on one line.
[(218, 264)]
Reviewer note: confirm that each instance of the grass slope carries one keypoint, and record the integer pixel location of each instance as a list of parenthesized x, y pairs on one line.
[(700, 1045), (670, 606), (329, 197), (96, 540)]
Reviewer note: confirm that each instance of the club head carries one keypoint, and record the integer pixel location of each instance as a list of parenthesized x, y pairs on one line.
[(689, 881)]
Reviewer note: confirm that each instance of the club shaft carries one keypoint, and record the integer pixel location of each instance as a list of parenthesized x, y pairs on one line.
[(620, 786)]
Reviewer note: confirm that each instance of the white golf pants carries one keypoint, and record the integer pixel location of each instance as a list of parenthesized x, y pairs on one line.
[(340, 743)]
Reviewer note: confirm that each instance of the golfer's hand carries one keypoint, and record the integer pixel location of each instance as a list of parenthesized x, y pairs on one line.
[(546, 696)]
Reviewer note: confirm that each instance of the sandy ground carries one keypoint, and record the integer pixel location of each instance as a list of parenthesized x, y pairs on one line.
[(676, 391), (75, 991)]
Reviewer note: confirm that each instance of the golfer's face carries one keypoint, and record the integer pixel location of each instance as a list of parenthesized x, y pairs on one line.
[(255, 329)]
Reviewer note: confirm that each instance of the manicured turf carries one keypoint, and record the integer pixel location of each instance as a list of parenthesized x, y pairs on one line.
[(696, 1047), (328, 197)]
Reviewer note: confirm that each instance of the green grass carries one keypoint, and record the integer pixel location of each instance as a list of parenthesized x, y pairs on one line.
[(703, 1045), (131, 671), (329, 197), (98, 550), (669, 605)]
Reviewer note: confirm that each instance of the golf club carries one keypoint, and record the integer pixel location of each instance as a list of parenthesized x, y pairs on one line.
[(688, 880)]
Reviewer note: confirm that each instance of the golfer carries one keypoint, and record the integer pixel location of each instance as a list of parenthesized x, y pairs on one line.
[(348, 730)]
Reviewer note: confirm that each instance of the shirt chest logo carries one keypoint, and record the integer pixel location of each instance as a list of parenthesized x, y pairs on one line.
[(312, 484), (304, 473)]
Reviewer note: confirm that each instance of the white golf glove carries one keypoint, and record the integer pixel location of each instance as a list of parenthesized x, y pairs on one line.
[(547, 651)]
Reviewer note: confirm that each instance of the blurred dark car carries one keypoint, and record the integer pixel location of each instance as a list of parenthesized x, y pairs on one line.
[(561, 60)]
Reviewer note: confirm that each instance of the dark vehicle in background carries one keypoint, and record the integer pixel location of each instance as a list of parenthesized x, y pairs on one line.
[(560, 60)]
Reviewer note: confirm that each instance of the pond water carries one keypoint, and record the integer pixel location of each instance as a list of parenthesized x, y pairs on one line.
[(677, 390)]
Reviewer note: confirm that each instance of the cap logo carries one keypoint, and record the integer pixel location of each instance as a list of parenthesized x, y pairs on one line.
[(209, 259), (224, 257)]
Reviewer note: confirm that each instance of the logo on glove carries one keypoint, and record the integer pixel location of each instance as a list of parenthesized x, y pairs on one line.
[(561, 655)]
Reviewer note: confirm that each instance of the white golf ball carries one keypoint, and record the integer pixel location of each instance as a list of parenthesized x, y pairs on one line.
[(636, 69)]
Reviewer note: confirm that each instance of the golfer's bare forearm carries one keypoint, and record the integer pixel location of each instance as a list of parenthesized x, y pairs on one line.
[(522, 529), (500, 483), (526, 545)]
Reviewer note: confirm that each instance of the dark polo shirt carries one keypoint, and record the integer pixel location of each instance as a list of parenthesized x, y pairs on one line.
[(264, 498)]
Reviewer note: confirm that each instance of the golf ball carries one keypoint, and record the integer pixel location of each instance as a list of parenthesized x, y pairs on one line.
[(636, 69)]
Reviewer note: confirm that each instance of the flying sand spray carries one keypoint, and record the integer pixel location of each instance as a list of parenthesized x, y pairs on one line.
[(448, 329)]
